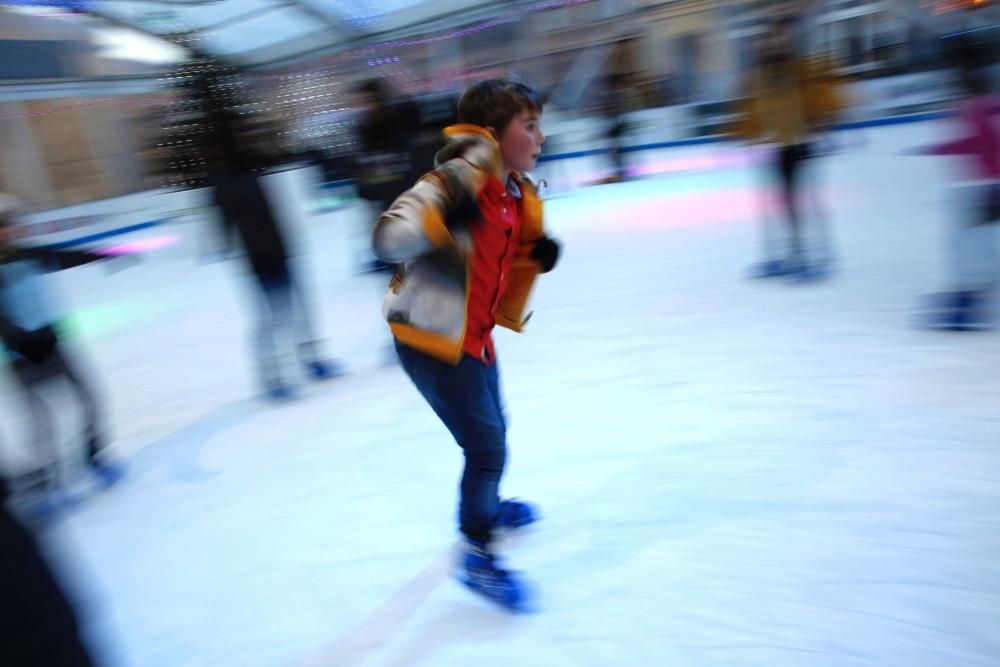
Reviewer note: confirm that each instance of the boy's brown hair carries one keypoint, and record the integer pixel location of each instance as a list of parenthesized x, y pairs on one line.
[(495, 102)]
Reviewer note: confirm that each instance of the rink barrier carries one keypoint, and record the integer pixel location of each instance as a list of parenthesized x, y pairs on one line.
[(680, 143), (720, 138), (895, 120), (713, 139), (100, 236)]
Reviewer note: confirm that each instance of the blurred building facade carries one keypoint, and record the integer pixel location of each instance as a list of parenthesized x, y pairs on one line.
[(78, 126), (73, 122)]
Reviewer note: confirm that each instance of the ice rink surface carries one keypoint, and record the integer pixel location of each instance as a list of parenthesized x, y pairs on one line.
[(731, 472)]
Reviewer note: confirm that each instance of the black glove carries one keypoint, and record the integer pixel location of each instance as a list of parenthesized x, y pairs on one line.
[(37, 346), (546, 253), (463, 213)]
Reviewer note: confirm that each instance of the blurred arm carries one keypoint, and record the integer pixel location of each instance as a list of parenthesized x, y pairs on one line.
[(57, 260), (415, 224), (963, 146), (982, 138)]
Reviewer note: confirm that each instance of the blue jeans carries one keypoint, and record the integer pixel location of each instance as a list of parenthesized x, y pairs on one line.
[(466, 398)]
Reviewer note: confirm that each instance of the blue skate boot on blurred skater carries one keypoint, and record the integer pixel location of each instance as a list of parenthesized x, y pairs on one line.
[(959, 311), (515, 514), (480, 571)]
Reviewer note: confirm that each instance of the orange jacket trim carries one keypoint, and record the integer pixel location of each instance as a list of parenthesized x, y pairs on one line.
[(468, 128), (435, 228), (440, 347), (510, 311)]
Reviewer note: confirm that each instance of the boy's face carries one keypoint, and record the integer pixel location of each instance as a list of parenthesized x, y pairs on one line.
[(521, 141)]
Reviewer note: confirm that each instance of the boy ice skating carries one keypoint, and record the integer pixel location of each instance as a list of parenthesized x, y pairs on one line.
[(469, 242)]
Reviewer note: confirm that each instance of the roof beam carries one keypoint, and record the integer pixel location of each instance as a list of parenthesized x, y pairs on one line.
[(324, 17), (235, 20), (470, 11)]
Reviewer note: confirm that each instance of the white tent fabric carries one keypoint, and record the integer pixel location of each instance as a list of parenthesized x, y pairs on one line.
[(259, 31)]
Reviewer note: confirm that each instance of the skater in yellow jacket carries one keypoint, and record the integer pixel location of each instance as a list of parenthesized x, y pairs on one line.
[(786, 100)]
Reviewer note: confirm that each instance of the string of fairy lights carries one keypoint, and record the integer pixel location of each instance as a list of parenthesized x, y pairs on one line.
[(199, 86), (316, 102), (311, 108)]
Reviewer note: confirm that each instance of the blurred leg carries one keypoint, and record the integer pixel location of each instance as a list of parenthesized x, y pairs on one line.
[(94, 434), (30, 378), (273, 309)]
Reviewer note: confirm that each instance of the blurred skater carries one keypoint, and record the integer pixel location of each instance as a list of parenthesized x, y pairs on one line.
[(38, 358), (284, 325), (972, 256), (787, 99)]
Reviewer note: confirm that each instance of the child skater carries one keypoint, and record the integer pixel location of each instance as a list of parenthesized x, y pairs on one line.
[(469, 242)]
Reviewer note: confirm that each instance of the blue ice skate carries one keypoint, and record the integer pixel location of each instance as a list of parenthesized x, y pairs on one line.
[(515, 514), (808, 273), (774, 268), (108, 473), (50, 506), (323, 370), (479, 571), (279, 393), (959, 311), (104, 467)]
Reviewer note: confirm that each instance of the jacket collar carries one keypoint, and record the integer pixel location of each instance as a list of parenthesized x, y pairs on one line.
[(476, 146)]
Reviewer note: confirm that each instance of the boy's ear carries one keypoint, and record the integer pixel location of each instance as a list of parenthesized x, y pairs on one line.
[(493, 132)]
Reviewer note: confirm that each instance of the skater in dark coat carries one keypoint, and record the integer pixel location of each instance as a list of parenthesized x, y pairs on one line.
[(247, 214)]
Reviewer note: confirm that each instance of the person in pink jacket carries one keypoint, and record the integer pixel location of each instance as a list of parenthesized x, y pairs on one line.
[(972, 253)]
